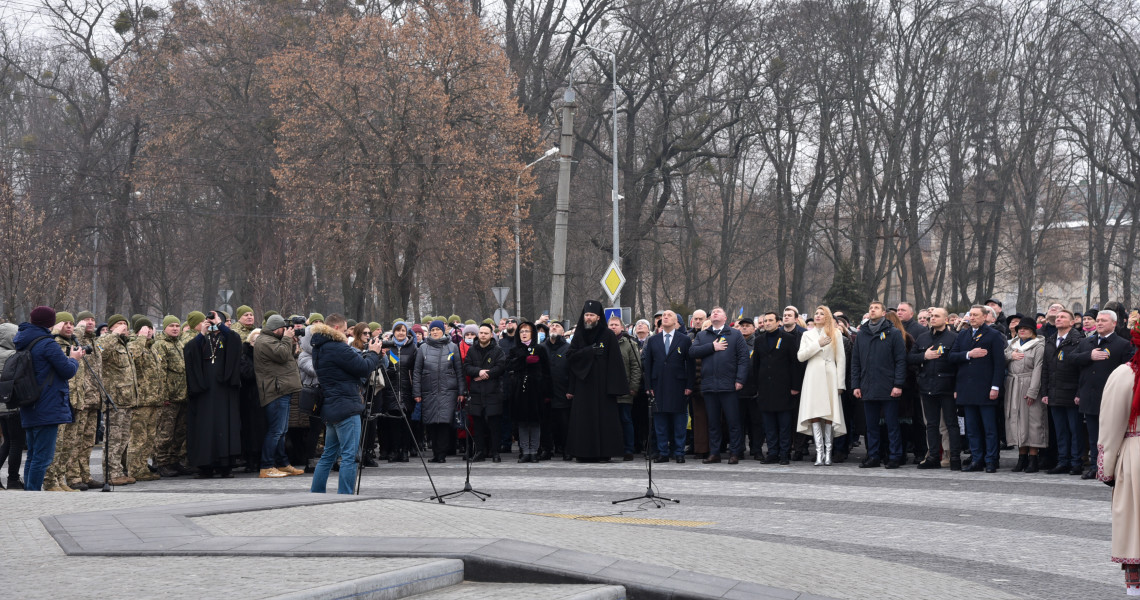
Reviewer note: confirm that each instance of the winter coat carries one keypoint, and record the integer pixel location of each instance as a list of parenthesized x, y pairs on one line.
[(53, 370), (400, 361), (341, 370), (559, 372), (1060, 374), (935, 376), (977, 376), (1094, 373), (486, 396), (721, 371), (878, 362), (823, 380), (119, 377), (305, 361), (438, 380), (668, 373), (531, 366), (275, 366), (7, 342), (631, 359), (776, 371)]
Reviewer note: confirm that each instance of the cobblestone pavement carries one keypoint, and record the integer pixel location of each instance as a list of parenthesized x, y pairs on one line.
[(837, 531)]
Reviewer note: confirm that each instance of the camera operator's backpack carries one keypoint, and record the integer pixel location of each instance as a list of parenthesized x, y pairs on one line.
[(18, 386)]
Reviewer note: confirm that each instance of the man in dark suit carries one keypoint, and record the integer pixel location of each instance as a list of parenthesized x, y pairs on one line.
[(979, 352), (1060, 379), (724, 369), (936, 389), (778, 376), (1098, 355), (670, 376), (878, 374)]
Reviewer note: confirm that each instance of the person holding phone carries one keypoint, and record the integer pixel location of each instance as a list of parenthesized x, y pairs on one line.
[(213, 381)]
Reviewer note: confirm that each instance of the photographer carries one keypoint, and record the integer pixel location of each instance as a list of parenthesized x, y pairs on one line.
[(340, 369), (213, 380), (277, 381), (53, 369)]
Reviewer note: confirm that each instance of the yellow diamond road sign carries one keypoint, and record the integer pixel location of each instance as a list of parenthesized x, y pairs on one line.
[(612, 281)]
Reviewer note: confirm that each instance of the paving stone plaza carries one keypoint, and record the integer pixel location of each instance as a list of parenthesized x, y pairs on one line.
[(549, 530)]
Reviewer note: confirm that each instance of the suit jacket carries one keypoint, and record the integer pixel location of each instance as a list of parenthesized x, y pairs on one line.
[(976, 376), (777, 371), (669, 374), (1060, 374), (1094, 373)]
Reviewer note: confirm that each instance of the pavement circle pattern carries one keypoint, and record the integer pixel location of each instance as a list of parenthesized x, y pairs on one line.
[(836, 531)]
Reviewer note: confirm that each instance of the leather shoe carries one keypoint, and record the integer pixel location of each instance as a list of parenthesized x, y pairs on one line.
[(713, 458), (1058, 470), (1089, 474), (991, 469), (784, 461), (930, 464), (680, 460), (976, 466), (495, 459), (771, 459), (955, 464), (78, 485), (733, 459), (627, 457), (1077, 470), (870, 463), (891, 464), (661, 459)]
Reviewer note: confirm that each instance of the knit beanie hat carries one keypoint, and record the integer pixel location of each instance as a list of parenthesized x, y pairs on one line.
[(84, 315), (374, 326), (437, 323), (470, 329), (350, 323), (489, 321), (453, 318), (417, 328), (64, 317), (168, 320), (274, 323), (194, 319), (268, 313), (314, 317), (43, 316), (140, 323), (114, 320), (242, 310), (135, 317)]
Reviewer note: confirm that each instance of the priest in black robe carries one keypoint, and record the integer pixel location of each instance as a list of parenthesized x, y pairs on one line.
[(597, 378), (213, 380)]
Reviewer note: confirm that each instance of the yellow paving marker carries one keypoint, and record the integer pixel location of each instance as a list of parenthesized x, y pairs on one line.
[(628, 520)]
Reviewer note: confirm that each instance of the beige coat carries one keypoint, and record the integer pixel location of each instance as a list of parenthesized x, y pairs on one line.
[(1025, 424), (1118, 450), (823, 381)]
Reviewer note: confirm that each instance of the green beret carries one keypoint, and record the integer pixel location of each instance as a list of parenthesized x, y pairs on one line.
[(170, 319), (314, 317), (469, 322), (453, 318), (61, 317), (140, 323), (242, 310), (194, 319), (84, 315), (374, 326), (114, 319)]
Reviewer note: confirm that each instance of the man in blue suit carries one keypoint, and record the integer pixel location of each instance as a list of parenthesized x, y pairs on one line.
[(670, 376), (979, 352), (724, 369)]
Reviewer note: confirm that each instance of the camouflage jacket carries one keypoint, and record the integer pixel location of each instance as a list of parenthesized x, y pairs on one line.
[(118, 369), (169, 352), (242, 331), (85, 390), (149, 371), (66, 345), (185, 337)]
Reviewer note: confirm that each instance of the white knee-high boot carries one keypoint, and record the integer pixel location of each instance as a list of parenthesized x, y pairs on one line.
[(827, 438), (817, 434)]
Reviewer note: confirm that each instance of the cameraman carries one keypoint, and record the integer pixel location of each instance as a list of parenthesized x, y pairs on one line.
[(278, 380), (53, 369)]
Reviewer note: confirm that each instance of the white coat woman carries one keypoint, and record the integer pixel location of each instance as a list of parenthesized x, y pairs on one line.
[(821, 407)]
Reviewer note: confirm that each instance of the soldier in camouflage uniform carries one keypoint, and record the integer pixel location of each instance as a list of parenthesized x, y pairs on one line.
[(170, 434), (55, 478), (86, 398), (191, 330), (144, 416), (120, 380), (244, 325)]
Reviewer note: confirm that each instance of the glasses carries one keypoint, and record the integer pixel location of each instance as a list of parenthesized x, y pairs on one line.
[(366, 333)]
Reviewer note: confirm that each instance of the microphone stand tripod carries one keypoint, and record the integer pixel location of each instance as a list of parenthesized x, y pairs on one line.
[(467, 489), (412, 434), (650, 495), (109, 405)]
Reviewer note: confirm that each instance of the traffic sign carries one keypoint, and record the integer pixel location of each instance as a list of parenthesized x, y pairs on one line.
[(614, 311), (501, 294), (612, 281), (500, 314), (226, 295)]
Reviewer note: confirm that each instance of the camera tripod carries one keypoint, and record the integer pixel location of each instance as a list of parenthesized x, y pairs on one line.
[(657, 500)]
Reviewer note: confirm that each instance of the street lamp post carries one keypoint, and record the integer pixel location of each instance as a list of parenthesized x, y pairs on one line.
[(518, 270), (614, 196)]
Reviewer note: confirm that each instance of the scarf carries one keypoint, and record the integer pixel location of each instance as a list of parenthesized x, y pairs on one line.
[(875, 327)]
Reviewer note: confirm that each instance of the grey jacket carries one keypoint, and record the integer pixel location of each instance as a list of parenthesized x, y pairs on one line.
[(7, 345), (305, 361), (438, 380)]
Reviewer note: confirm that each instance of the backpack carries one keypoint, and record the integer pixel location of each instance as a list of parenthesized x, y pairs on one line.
[(18, 385)]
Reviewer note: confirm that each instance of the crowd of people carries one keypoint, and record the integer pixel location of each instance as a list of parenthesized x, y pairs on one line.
[(205, 395)]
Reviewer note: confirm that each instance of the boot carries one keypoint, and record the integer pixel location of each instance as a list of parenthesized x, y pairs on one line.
[(817, 436), (828, 432), (1033, 465), (1022, 462)]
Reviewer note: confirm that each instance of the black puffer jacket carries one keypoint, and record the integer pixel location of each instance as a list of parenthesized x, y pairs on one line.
[(341, 369), (935, 376), (1060, 374), (486, 396), (878, 362)]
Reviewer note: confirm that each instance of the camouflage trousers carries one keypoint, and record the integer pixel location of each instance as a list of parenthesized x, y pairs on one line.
[(118, 436), (140, 448), (64, 446), (170, 435), (79, 467)]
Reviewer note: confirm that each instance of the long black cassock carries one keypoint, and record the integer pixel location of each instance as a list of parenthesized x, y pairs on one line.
[(213, 379), (597, 378)]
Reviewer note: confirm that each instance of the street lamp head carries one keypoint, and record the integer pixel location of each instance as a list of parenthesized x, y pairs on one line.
[(551, 152)]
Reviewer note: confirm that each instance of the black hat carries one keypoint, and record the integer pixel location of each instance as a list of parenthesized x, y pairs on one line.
[(593, 306), (1029, 324), (994, 301), (743, 320)]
